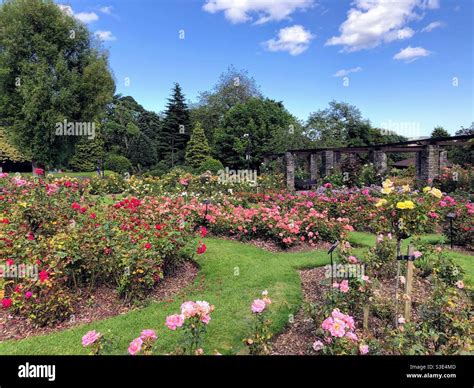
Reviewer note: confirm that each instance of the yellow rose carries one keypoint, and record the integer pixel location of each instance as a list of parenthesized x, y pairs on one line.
[(409, 205), (400, 205), (436, 192), (406, 188), (381, 202), (426, 189), (387, 183), (23, 204), (387, 190)]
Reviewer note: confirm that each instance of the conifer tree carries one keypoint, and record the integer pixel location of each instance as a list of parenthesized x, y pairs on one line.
[(197, 150)]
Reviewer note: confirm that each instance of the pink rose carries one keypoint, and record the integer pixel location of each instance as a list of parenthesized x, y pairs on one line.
[(174, 321), (338, 328), (417, 254), (318, 345), (205, 319), (28, 294), (189, 309), (148, 334), (327, 323), (344, 286), (258, 306), (460, 284), (90, 337), (363, 349), (135, 346), (352, 260)]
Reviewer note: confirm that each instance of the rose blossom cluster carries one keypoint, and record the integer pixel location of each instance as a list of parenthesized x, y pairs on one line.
[(143, 343), (199, 309), (340, 325)]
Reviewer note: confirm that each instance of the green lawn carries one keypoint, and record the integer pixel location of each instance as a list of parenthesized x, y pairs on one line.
[(232, 274)]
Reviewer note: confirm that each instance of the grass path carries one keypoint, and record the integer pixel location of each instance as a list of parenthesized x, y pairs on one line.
[(232, 275)]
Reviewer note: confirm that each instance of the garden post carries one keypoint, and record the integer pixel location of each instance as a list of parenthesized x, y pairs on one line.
[(409, 284)]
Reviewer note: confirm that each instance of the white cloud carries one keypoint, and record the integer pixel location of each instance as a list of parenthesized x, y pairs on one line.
[(86, 17), (344, 72), (410, 54), (239, 11), (107, 10), (67, 9), (433, 25), (370, 23), (293, 39), (105, 35)]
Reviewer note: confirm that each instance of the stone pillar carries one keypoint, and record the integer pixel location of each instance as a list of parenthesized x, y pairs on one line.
[(337, 159), (379, 159), (314, 163), (290, 171), (427, 164), (443, 159), (327, 163)]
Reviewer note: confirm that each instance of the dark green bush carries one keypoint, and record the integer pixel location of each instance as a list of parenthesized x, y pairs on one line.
[(118, 163), (212, 165)]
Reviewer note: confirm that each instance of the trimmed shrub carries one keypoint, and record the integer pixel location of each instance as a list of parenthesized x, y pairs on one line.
[(118, 163)]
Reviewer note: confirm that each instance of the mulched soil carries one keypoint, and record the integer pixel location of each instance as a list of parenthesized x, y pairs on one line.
[(300, 335), (102, 303)]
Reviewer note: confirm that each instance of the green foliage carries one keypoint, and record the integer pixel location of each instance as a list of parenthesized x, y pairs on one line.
[(142, 152), (118, 163), (87, 153), (212, 165), (440, 132), (172, 143), (257, 127), (342, 125), (234, 87), (197, 149), (46, 77)]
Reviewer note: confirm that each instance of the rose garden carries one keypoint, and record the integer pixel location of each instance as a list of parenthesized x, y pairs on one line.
[(253, 267), (223, 224)]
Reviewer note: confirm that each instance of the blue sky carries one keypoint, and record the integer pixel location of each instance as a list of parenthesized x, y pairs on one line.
[(407, 65)]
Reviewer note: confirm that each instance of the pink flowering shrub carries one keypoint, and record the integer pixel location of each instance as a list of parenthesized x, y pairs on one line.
[(337, 336), (259, 341), (192, 321)]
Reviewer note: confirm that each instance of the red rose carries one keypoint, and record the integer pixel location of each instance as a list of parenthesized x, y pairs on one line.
[(203, 231), (201, 249), (92, 215), (76, 206), (147, 246), (5, 221), (39, 171), (6, 303), (43, 275)]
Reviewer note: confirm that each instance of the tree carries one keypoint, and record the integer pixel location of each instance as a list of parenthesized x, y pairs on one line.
[(440, 132), (142, 152), (121, 125), (51, 70), (233, 87), (87, 153), (175, 130), (258, 127), (463, 155), (197, 150), (337, 125)]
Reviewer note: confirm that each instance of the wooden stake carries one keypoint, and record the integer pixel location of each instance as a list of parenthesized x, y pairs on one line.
[(366, 317), (409, 284)]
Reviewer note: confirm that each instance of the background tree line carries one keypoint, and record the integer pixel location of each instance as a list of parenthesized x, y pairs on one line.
[(52, 69)]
